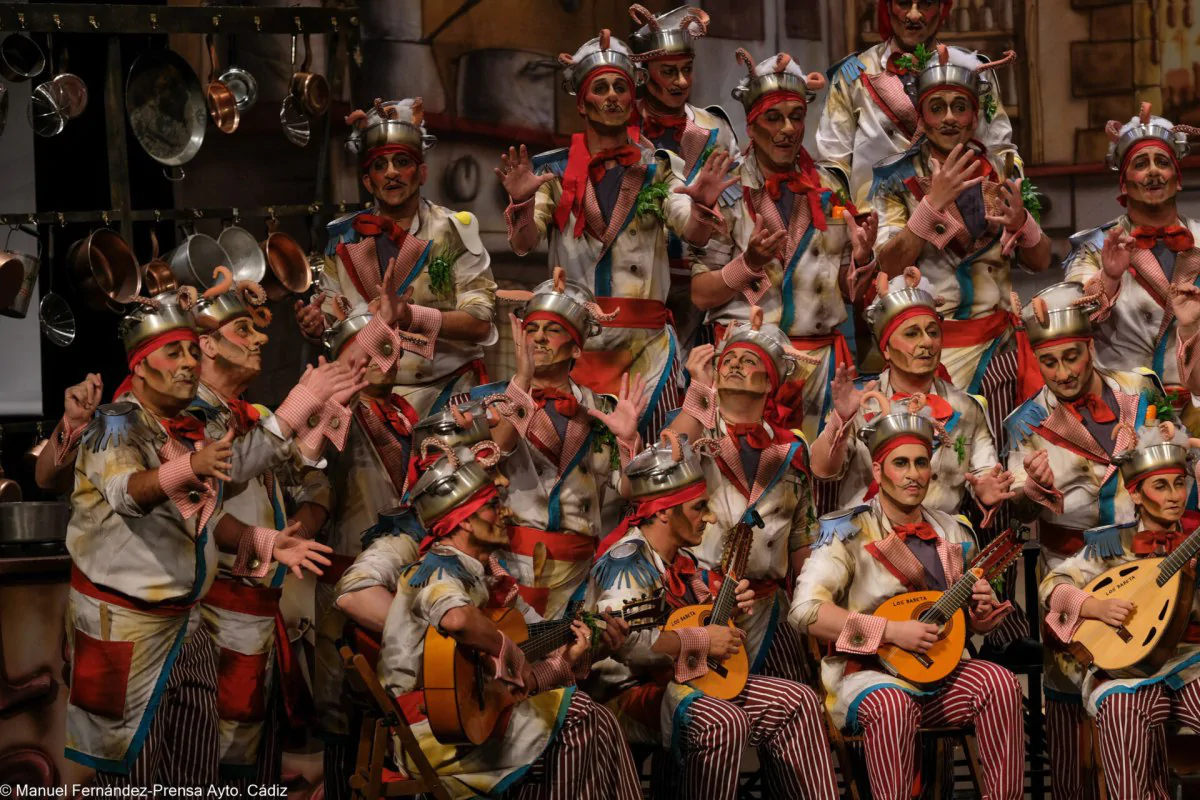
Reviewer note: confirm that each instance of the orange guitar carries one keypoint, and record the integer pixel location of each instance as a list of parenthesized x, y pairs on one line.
[(465, 705), (944, 609)]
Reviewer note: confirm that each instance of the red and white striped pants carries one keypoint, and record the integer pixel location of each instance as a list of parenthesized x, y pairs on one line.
[(1133, 743), (589, 759), (182, 747), (785, 656), (978, 692), (1064, 725), (781, 719)]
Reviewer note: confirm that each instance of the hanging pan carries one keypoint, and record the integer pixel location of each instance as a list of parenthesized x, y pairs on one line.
[(222, 105), (166, 107)]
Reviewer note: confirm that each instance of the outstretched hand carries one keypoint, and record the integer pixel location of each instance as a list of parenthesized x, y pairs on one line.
[(517, 175), (712, 179), (992, 487), (631, 402), (298, 553)]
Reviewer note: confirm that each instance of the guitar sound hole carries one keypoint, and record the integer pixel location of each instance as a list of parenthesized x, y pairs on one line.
[(1102, 584), (1128, 571), (1150, 636), (1162, 612)]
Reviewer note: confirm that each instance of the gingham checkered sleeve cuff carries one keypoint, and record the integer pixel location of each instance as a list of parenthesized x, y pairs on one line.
[(509, 664), (936, 227), (861, 635), (179, 482), (692, 661), (627, 450), (422, 334), (301, 410), (1051, 499), (841, 429), (738, 276), (701, 403), (66, 442), (551, 673), (1066, 603), (256, 550), (1028, 236), (335, 424), (523, 410), (518, 217), (381, 343)]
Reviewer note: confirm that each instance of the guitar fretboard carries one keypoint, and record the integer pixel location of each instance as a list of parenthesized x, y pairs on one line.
[(1179, 556)]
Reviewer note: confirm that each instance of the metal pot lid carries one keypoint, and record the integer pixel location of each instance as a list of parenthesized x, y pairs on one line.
[(296, 126), (243, 85), (45, 116), (57, 320), (71, 94), (166, 107)]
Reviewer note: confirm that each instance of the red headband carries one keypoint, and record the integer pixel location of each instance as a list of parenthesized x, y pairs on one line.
[(899, 441), (645, 507), (149, 346), (1136, 482), (1060, 340), (387, 150), (448, 522), (883, 16), (772, 373), (576, 336), (770, 99), (904, 316)]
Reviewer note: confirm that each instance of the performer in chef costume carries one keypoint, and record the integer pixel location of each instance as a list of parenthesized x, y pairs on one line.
[(560, 445), (1063, 440), (759, 475), (955, 208), (241, 610), (406, 246), (605, 205), (871, 112), (871, 553), (145, 527), (558, 742), (793, 246), (1130, 713), (780, 718), (1130, 264)]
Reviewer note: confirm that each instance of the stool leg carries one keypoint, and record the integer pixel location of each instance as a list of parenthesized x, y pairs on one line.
[(974, 766)]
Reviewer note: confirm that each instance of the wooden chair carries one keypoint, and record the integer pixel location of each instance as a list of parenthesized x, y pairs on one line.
[(381, 720)]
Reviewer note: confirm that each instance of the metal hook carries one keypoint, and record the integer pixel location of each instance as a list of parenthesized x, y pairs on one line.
[(57, 22), (299, 25), (92, 21), (104, 217), (154, 22), (236, 216), (21, 20), (60, 217), (197, 213), (157, 215), (216, 21), (258, 23)]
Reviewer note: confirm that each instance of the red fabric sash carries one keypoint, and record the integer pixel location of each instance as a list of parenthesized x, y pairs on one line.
[(560, 545), (83, 584), (634, 312)]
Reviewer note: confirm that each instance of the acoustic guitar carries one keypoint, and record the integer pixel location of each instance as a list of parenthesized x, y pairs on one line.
[(465, 704), (944, 609), (1161, 591), (726, 677)]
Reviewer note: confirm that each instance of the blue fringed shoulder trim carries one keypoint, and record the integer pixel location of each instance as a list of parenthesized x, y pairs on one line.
[(625, 566), (405, 524), (840, 524), (341, 230), (116, 425), (890, 174), (848, 69), (1105, 542), (1019, 424), (731, 196), (436, 563), (552, 160)]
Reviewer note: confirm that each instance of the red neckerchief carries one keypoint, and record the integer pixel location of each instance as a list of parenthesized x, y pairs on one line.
[(1147, 543), (626, 155), (654, 127), (575, 180), (245, 416), (922, 530), (502, 587), (677, 579), (942, 410), (373, 225), (397, 416), (185, 428), (564, 402), (1176, 237), (1093, 403), (805, 180), (757, 435)]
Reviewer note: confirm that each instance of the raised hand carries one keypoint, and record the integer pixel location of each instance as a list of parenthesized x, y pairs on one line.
[(395, 310), (1012, 213), (631, 402), (764, 245), (1185, 305), (328, 379), (357, 368), (523, 349), (214, 460), (700, 364), (310, 317), (81, 401), (712, 179), (992, 487), (297, 553), (954, 176), (517, 175), (862, 237), (847, 398), (1037, 467), (1116, 252)]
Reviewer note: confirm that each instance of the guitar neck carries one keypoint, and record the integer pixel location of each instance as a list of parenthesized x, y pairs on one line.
[(737, 552), (1179, 557), (994, 559)]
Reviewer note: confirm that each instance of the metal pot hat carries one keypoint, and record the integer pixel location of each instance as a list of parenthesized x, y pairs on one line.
[(666, 35), (151, 317), (226, 300), (769, 338), (891, 424), (1159, 447), (447, 426), (779, 73), (395, 122), (567, 300), (670, 464), (952, 67), (603, 51), (902, 296), (1141, 128), (1058, 312), (448, 482)]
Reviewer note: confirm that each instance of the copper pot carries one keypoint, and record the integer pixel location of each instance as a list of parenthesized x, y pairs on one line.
[(310, 89), (104, 269), (289, 271), (222, 105), (157, 273)]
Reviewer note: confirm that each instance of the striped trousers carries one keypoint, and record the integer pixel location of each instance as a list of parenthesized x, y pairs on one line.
[(1064, 726), (785, 657), (782, 719), (182, 745), (589, 759), (268, 769), (1133, 743), (978, 692)]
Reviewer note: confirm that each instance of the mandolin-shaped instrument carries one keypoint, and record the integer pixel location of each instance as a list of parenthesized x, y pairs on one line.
[(725, 678), (465, 704), (1161, 591), (944, 609)]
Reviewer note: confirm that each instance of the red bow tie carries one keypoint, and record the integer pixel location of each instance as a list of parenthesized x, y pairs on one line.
[(922, 530), (502, 586), (757, 435), (942, 410), (678, 577), (185, 428), (626, 155), (1176, 237), (654, 127), (1095, 405), (1148, 542), (564, 403), (245, 416), (372, 225), (793, 180)]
